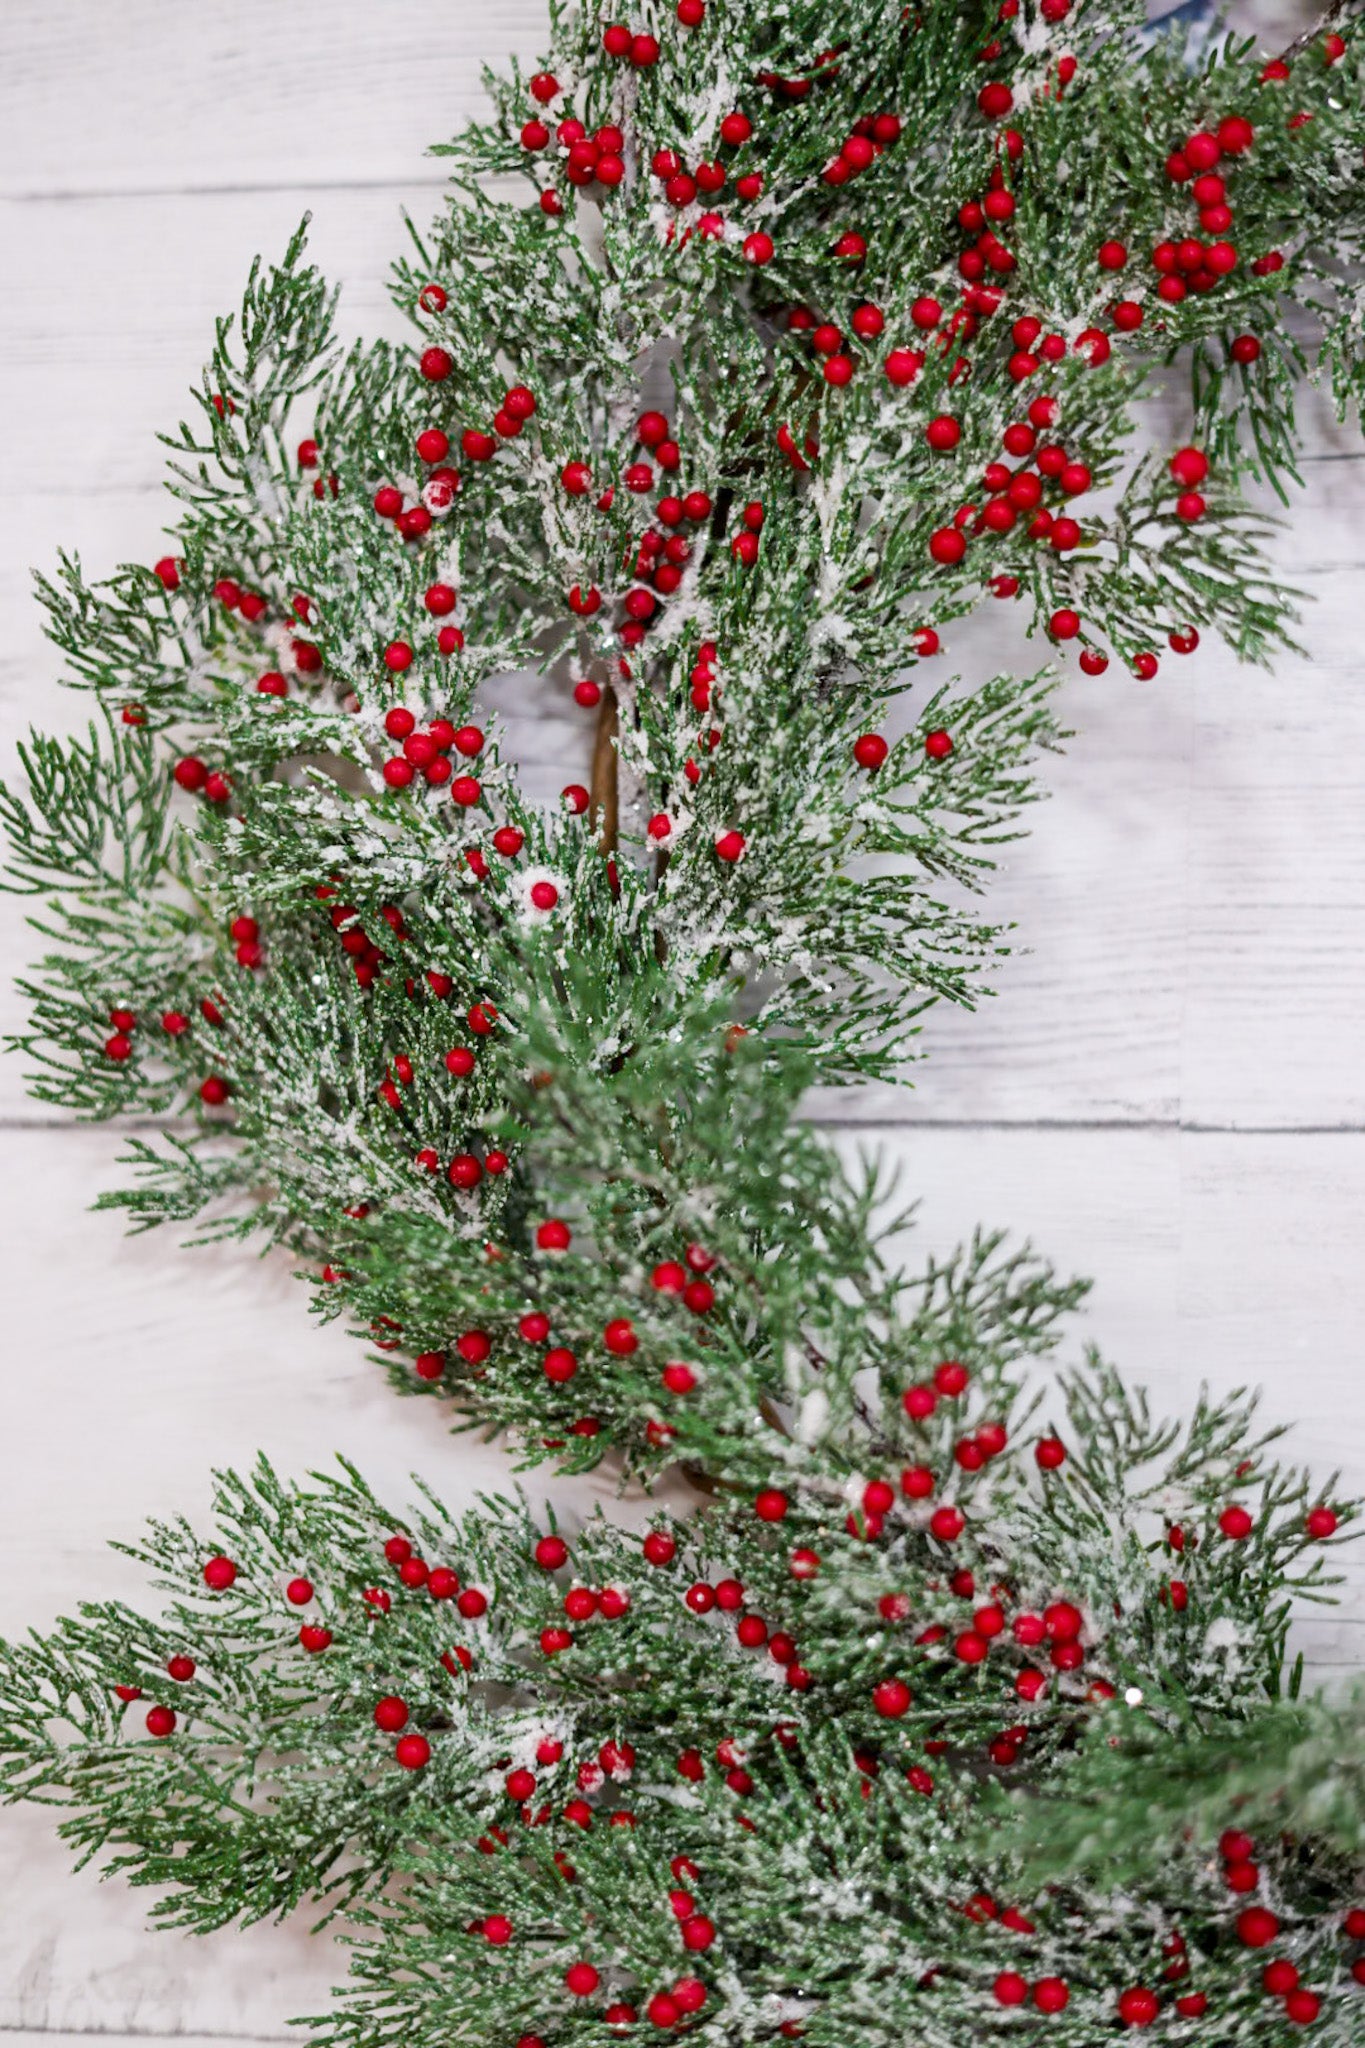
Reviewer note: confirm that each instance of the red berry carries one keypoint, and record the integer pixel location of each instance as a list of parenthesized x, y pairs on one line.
[(1189, 467), (1257, 1927), (891, 1698), (902, 366), (869, 751), (1138, 2007), (220, 1573), (412, 1752)]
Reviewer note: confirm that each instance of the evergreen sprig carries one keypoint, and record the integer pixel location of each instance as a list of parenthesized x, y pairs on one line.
[(506, 1750)]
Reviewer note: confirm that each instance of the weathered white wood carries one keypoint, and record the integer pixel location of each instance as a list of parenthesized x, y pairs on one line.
[(145, 96), (28, 2037)]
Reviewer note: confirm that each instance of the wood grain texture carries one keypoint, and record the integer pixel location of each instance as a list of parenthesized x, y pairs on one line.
[(1166, 1093)]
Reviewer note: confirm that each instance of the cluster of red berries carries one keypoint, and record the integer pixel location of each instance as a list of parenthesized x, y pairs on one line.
[(1058, 1628), (666, 2008), (659, 558), (870, 749), (702, 687), (691, 1765), (629, 47), (582, 1604), (870, 137), (365, 956), (1257, 1927), (194, 775), (466, 1170), (250, 604), (591, 159), (1188, 466), (214, 1090), (518, 406), (979, 218), (709, 178), (426, 750), (1015, 494), (309, 457), (436, 497), (752, 1632), (1191, 265), (829, 341), (431, 447), (119, 1045)]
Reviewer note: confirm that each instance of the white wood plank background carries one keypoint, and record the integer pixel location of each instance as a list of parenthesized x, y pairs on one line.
[(1168, 1093)]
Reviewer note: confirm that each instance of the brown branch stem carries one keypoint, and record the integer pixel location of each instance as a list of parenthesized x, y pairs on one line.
[(605, 790), (1331, 17)]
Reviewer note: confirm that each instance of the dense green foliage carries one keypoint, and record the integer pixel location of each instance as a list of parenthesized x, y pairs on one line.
[(518, 1084)]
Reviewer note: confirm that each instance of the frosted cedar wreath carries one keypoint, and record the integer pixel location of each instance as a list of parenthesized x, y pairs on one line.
[(799, 338)]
